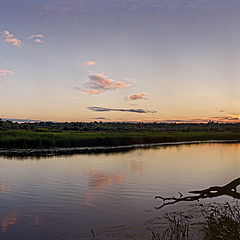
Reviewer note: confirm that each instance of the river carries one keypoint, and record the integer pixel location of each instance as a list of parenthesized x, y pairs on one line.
[(65, 197)]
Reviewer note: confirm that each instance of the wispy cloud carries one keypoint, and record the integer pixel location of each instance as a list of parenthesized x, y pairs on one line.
[(228, 118), (5, 73), (9, 38), (137, 96), (37, 38), (90, 63), (99, 83), (103, 109)]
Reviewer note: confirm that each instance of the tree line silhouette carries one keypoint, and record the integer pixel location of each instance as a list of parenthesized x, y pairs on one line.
[(120, 126)]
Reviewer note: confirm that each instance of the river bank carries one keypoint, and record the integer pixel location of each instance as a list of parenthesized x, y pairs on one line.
[(48, 152)]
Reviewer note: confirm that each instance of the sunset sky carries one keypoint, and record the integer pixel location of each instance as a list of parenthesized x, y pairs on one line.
[(120, 60)]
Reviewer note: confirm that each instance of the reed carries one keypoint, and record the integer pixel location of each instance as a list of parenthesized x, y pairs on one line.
[(12, 139)]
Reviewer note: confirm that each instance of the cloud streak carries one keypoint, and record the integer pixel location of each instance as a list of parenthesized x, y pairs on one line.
[(9, 38), (99, 83), (102, 109)]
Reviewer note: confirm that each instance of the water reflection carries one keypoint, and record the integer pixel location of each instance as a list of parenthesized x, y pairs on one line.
[(39, 154), (5, 188), (76, 193), (100, 181), (137, 166), (9, 220), (88, 199)]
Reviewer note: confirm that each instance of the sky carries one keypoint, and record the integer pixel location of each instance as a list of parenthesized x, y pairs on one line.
[(120, 60)]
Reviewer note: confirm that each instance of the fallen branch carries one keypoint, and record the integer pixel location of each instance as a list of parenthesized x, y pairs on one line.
[(229, 189)]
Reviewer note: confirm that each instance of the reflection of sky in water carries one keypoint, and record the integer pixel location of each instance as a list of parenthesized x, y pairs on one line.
[(45, 198), (4, 188), (99, 181), (9, 220)]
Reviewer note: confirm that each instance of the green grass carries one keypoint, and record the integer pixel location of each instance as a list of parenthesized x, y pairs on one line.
[(21, 139)]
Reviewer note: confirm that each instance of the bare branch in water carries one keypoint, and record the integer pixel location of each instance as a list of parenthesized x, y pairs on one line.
[(229, 189)]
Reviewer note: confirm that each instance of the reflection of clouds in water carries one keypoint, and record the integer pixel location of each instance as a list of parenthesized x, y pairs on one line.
[(137, 166), (10, 219), (100, 181), (89, 199), (4, 188)]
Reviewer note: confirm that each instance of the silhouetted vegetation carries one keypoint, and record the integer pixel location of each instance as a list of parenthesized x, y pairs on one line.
[(215, 221), (229, 189), (120, 126)]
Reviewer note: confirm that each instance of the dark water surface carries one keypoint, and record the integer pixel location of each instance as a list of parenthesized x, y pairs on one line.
[(65, 197)]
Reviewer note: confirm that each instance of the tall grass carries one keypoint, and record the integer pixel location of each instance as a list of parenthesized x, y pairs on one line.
[(28, 139), (214, 221), (222, 222)]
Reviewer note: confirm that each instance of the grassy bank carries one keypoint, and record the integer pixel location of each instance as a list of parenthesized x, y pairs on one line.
[(12, 139)]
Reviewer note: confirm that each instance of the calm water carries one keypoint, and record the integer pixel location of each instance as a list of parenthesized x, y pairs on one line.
[(65, 197)]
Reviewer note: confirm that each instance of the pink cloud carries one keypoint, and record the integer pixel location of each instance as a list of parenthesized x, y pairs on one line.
[(137, 96), (90, 63), (38, 41), (7, 34), (5, 72), (99, 83), (92, 91), (37, 38), (9, 38)]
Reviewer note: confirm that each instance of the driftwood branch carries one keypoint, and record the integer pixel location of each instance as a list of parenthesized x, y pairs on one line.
[(229, 189)]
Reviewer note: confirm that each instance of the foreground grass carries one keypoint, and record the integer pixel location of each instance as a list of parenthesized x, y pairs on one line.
[(216, 222), (21, 139)]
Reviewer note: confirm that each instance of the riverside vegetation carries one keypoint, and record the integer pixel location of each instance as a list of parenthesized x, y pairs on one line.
[(79, 134)]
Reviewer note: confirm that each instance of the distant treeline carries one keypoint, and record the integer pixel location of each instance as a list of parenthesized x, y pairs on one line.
[(119, 126)]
